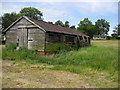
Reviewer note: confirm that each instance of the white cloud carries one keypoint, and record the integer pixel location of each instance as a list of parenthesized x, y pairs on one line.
[(1, 8), (51, 14), (97, 7), (10, 7), (104, 6), (83, 7), (60, 0), (53, 11)]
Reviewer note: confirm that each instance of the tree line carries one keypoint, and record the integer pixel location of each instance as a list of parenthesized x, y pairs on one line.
[(116, 32), (101, 26)]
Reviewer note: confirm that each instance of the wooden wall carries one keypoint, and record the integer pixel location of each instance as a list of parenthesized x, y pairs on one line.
[(26, 34), (36, 39), (54, 44), (11, 35)]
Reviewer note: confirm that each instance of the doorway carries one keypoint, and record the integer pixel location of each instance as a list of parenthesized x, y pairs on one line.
[(22, 37)]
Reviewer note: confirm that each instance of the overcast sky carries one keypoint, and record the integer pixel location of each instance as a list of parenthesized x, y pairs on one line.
[(72, 10)]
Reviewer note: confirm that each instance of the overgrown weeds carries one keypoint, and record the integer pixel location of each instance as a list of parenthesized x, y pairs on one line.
[(97, 65), (95, 57)]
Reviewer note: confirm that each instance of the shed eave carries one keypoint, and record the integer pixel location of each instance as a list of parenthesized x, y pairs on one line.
[(27, 20), (34, 23), (12, 24)]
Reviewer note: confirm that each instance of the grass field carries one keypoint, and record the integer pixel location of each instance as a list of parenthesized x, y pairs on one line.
[(95, 66)]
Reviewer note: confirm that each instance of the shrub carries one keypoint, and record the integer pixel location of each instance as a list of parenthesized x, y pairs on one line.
[(11, 53), (12, 46)]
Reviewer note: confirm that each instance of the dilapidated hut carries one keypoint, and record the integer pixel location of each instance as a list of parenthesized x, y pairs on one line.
[(44, 37)]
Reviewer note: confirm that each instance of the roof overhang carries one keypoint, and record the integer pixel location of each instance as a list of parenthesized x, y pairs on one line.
[(26, 26)]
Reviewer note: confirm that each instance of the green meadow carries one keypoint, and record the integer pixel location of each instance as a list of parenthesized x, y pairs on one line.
[(97, 64)]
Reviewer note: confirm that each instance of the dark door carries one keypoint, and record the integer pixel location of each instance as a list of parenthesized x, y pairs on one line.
[(22, 37), (79, 41)]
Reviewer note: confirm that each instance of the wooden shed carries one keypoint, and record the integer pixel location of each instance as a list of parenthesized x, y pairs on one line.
[(44, 37)]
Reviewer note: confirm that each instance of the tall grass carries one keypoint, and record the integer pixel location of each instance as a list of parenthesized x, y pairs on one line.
[(95, 57), (10, 53)]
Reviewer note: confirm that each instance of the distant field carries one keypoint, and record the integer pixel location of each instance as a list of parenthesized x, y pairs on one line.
[(89, 67), (105, 43)]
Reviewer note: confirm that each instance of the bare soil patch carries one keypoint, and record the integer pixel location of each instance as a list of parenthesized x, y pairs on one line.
[(17, 76)]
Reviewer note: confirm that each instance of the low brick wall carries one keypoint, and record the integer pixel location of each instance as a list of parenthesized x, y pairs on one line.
[(46, 52)]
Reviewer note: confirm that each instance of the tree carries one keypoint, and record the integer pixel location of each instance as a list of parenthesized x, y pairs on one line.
[(66, 24), (86, 27), (73, 27), (31, 12), (0, 23), (117, 30), (58, 22), (8, 19), (102, 27)]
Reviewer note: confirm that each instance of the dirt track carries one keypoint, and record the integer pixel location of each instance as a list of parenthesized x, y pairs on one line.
[(16, 75)]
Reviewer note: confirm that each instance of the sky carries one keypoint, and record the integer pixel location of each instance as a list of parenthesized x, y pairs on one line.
[(71, 10)]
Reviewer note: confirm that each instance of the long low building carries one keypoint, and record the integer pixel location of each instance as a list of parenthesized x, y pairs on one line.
[(44, 37), (99, 37)]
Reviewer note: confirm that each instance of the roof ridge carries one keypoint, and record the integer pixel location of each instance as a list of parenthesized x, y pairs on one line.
[(73, 31), (52, 24), (45, 26)]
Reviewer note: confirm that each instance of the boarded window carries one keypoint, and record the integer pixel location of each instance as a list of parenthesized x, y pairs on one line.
[(69, 39), (54, 38)]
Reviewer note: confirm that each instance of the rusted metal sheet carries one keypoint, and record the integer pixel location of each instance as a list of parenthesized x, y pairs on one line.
[(46, 52)]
